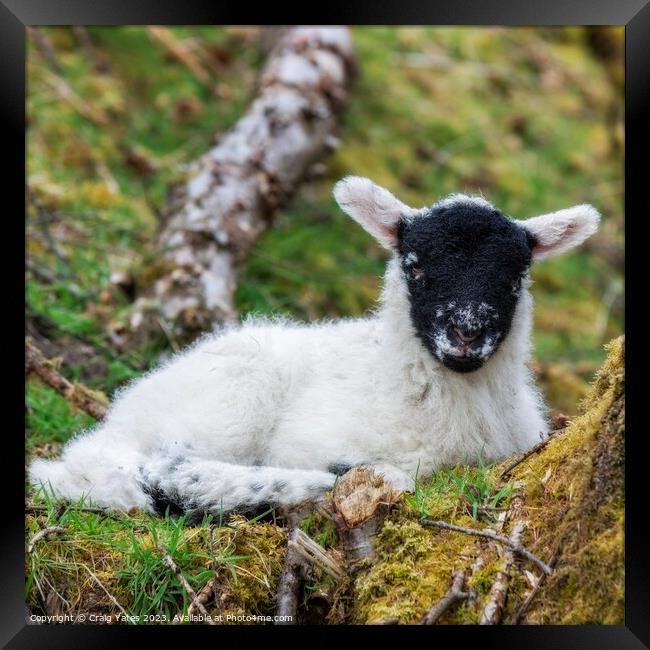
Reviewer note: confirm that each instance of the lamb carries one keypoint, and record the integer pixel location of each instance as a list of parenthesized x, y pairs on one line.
[(272, 411)]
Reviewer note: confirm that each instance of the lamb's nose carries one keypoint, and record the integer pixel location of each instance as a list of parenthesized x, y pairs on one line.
[(466, 336)]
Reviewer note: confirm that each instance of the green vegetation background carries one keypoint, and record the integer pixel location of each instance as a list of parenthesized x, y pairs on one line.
[(530, 117)]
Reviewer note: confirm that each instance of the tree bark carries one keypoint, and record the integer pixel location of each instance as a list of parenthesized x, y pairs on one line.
[(229, 200)]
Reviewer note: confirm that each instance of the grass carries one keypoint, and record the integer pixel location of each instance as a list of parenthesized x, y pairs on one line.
[(473, 490), (50, 418), (116, 555)]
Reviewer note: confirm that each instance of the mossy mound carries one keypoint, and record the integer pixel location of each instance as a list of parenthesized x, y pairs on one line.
[(109, 567), (571, 497), (580, 507)]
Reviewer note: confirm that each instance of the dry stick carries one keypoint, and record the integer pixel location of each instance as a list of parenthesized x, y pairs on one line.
[(175, 569), (517, 616), (291, 579), (78, 395), (65, 92), (167, 39), (85, 40), (522, 457), (107, 592), (44, 46), (454, 594), (494, 609), (207, 592), (42, 534), (488, 534), (314, 554), (98, 511), (47, 276)]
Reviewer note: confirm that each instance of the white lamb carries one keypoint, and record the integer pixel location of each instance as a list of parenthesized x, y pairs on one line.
[(272, 411)]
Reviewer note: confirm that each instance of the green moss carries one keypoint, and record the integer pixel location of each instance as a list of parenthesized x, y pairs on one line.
[(574, 497), (412, 571)]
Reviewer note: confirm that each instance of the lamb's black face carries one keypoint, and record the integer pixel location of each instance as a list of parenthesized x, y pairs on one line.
[(464, 262)]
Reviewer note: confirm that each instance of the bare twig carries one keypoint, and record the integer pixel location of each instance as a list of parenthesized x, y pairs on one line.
[(175, 569), (614, 290), (107, 592), (488, 534), (178, 50), (494, 609), (42, 534), (452, 596), (43, 220), (208, 592), (65, 92), (100, 63), (517, 616), (291, 579), (99, 511), (522, 457), (44, 46), (47, 276), (314, 554), (77, 394)]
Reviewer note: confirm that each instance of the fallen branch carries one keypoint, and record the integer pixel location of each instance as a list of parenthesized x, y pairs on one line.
[(494, 608), (42, 534), (488, 534), (175, 569), (212, 221), (78, 395), (452, 596), (522, 457)]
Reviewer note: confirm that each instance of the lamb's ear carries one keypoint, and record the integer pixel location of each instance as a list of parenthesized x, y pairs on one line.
[(560, 231), (375, 208)]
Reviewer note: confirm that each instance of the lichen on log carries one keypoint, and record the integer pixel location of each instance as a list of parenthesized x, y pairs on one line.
[(232, 192)]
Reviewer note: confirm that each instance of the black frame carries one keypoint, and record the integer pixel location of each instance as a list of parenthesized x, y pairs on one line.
[(15, 15)]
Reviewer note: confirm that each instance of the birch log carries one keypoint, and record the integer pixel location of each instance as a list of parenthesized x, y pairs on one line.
[(232, 191)]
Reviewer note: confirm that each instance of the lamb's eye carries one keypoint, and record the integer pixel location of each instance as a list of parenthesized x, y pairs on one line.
[(417, 273), (516, 285)]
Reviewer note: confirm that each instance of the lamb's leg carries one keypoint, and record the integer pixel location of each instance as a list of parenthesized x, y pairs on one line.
[(192, 483), (125, 479), (400, 480), (101, 470)]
